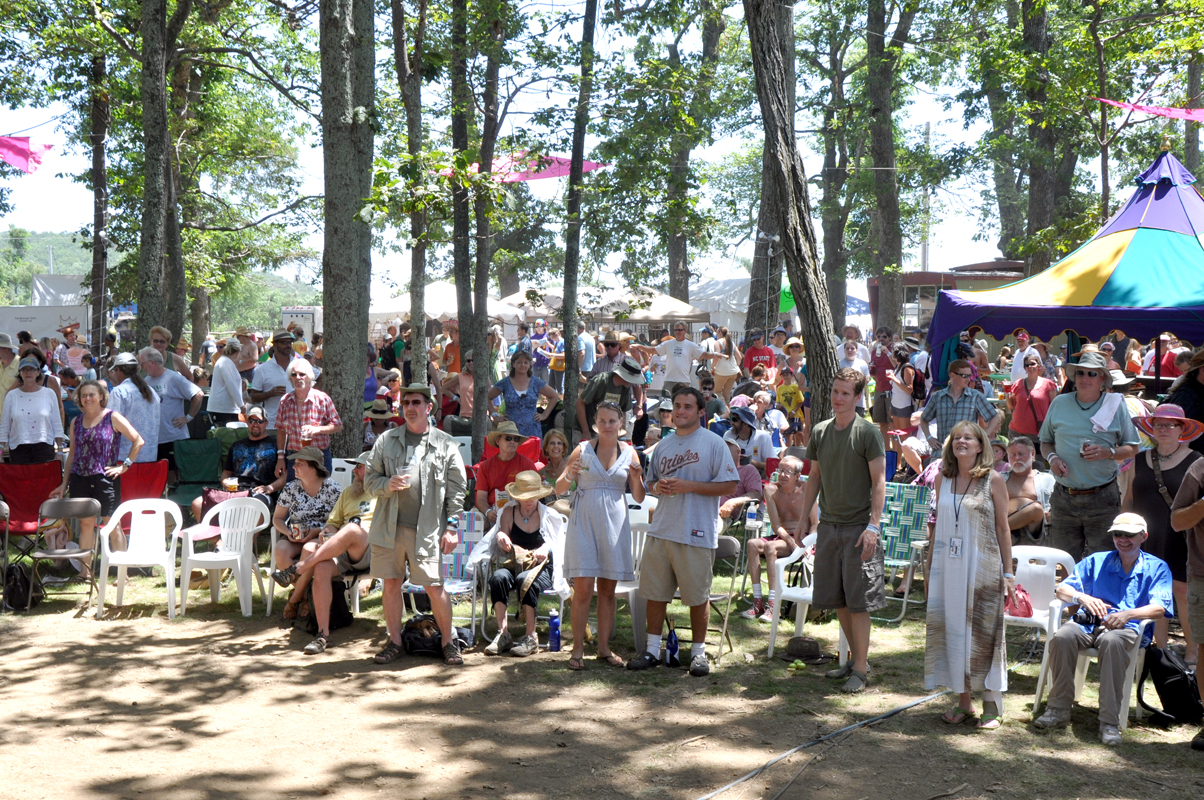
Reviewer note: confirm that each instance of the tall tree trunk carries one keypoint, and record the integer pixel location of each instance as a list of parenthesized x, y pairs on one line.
[(348, 108), (1006, 166), (834, 216), (887, 259), (572, 236), (482, 208), (461, 252), (765, 288), (409, 80), (1104, 137), (776, 99), (100, 200), (1041, 133), (676, 243), (199, 312), (177, 287), (155, 144), (1191, 130)]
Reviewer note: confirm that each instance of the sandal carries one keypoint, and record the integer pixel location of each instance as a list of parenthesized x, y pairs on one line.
[(956, 716), (451, 655), (612, 659), (990, 722), (290, 610), (577, 663), (285, 577), (304, 610), (856, 683), (391, 652)]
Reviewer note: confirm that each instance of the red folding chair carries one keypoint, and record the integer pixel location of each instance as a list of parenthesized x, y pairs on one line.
[(532, 449), (144, 481), (24, 487)]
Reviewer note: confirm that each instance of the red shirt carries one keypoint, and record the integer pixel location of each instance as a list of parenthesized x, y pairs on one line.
[(318, 410), (1169, 370), (1043, 394), (494, 474), (880, 362), (759, 355)]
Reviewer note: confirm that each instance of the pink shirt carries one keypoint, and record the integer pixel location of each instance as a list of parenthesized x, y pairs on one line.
[(750, 481)]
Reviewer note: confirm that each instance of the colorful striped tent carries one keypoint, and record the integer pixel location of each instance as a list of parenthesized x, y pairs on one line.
[(1142, 273)]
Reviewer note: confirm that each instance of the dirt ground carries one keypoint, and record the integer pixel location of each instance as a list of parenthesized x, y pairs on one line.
[(216, 706)]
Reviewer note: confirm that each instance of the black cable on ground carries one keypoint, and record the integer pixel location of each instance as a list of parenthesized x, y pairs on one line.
[(821, 740)]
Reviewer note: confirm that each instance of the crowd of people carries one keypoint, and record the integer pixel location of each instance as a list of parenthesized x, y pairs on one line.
[(705, 425)]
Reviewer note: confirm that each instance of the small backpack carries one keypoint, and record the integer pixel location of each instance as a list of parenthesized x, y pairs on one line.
[(340, 612), (420, 637), (18, 588), (388, 358), (1175, 685), (919, 387)]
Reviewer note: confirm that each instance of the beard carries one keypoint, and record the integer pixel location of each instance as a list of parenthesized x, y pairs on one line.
[(1021, 466)]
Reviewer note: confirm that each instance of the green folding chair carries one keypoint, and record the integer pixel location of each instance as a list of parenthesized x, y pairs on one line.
[(199, 464), (904, 536)]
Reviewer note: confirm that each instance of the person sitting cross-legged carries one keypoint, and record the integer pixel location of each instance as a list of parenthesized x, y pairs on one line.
[(784, 507), (1115, 589), (341, 547)]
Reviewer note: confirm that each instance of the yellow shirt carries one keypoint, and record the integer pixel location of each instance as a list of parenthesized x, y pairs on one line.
[(8, 376), (352, 504)]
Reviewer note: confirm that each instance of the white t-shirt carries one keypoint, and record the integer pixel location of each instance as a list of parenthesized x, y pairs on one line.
[(656, 365), (269, 375), (225, 388), (861, 366), (775, 420), (758, 447), (1018, 373), (689, 518), (679, 358), (175, 396)]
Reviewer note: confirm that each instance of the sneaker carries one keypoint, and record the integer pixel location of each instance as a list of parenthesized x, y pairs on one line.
[(700, 667), (645, 661), (1198, 742), (758, 608), (500, 644), (1109, 735), (318, 645), (767, 615), (1052, 719), (528, 645)]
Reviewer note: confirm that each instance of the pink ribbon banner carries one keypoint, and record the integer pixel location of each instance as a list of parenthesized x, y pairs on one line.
[(18, 151), (1190, 114)]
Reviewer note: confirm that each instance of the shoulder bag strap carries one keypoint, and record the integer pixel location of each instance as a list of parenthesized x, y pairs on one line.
[(1158, 478), (1029, 396)]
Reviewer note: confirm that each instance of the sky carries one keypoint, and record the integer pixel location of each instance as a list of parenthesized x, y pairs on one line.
[(49, 201)]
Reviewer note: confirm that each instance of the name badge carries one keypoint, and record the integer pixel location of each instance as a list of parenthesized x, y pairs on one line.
[(955, 547)]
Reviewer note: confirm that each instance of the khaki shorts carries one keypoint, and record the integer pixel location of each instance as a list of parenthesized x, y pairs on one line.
[(1195, 608), (425, 561), (842, 579), (669, 566), (880, 411)]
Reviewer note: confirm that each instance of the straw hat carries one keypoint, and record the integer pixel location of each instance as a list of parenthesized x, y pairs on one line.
[(1192, 429), (504, 428), (242, 330), (527, 485), (380, 409), (791, 342)]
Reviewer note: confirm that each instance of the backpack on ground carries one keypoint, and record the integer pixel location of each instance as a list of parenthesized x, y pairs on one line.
[(420, 637), (340, 613), (1175, 685), (18, 587)]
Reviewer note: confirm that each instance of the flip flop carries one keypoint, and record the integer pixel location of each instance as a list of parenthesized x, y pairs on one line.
[(613, 660), (576, 663), (990, 722), (956, 716)]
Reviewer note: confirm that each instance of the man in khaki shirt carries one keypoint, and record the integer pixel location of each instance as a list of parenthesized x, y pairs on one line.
[(8, 365)]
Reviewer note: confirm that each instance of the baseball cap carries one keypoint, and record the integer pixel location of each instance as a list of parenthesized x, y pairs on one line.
[(256, 411), (1128, 523)]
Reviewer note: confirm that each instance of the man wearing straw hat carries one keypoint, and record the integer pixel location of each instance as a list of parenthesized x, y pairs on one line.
[(1085, 435), (417, 476)]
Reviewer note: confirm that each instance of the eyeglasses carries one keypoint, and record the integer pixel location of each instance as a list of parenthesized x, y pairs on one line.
[(158, 341), (1166, 425), (414, 403), (516, 439), (299, 376), (1090, 373), (610, 344), (679, 330), (254, 421), (966, 375)]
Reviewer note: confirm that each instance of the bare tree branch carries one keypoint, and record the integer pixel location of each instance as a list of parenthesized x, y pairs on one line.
[(201, 226), (122, 42)]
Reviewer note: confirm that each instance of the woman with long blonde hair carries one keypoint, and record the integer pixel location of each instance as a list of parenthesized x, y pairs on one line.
[(969, 578)]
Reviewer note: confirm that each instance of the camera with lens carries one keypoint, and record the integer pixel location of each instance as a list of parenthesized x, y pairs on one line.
[(1085, 617)]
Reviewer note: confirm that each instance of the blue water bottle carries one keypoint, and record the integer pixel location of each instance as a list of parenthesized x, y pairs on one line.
[(554, 631)]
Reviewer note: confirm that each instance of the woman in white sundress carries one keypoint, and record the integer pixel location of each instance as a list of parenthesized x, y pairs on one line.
[(970, 578), (598, 539)]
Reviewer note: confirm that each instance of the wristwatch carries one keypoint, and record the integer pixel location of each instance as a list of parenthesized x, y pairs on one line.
[(127, 463)]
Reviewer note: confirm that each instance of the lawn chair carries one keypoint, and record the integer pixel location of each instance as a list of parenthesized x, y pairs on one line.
[(457, 580), (150, 544), (1036, 570), (639, 516), (483, 577), (24, 487), (144, 481), (238, 520), (799, 595), (77, 508), (904, 536), (199, 463)]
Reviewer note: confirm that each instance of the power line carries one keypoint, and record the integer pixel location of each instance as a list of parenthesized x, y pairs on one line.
[(39, 125)]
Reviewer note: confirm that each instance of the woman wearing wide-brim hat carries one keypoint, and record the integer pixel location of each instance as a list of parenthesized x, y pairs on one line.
[(378, 418), (526, 544), (301, 511), (1158, 474), (495, 472), (1085, 434)]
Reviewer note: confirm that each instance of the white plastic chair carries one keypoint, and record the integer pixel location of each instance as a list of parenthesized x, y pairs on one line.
[(799, 595), (149, 545), (238, 520), (340, 470), (1036, 571), (639, 515), (465, 445)]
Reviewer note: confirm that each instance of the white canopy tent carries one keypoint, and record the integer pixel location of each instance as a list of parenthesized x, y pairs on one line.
[(441, 305)]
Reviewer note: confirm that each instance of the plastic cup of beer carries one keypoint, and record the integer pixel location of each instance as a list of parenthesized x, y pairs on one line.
[(230, 484)]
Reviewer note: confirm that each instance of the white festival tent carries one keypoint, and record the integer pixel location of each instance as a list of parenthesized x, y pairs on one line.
[(440, 304)]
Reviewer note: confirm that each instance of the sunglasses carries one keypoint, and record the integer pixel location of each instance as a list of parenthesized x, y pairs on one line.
[(683, 330), (1125, 534), (966, 375), (158, 341), (611, 344), (414, 403), (1166, 425), (1090, 373), (517, 439)]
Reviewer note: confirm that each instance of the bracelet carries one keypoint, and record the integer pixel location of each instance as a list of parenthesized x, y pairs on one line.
[(1008, 575), (875, 528), (1052, 456)]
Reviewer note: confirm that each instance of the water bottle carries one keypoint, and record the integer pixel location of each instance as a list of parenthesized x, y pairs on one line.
[(750, 521), (554, 631)]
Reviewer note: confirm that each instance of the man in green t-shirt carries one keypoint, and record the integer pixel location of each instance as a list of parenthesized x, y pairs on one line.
[(849, 562), (342, 547), (614, 386)]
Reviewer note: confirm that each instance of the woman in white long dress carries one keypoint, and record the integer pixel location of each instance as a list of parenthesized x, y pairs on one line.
[(970, 578)]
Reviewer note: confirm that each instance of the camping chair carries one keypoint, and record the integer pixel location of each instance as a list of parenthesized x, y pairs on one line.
[(77, 508), (728, 550), (1036, 570), (199, 463), (144, 481), (486, 606), (228, 436), (23, 487), (457, 580), (904, 536), (150, 544)]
